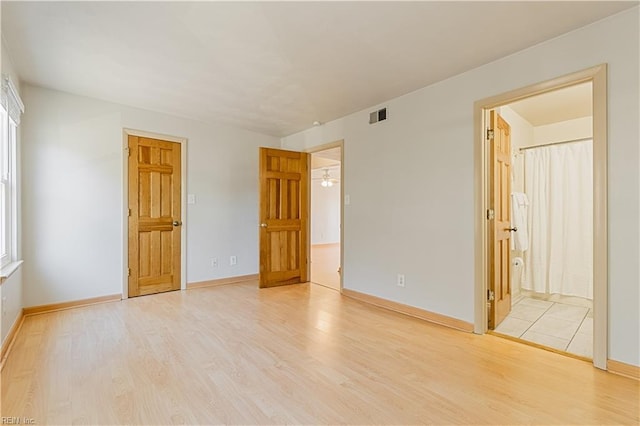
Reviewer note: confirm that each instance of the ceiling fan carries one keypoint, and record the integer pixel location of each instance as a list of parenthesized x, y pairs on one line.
[(326, 180)]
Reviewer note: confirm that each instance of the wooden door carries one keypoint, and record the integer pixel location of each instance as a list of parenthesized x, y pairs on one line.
[(155, 220), (284, 207), (500, 225)]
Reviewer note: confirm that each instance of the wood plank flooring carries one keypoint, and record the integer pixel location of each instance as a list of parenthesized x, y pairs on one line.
[(297, 354), (325, 261)]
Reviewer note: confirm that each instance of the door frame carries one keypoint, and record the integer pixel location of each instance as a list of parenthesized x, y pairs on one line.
[(126, 132), (318, 148), (597, 75)]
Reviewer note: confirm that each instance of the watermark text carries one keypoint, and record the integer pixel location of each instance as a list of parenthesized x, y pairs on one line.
[(17, 421)]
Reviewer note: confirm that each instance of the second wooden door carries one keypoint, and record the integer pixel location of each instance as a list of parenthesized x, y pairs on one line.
[(284, 205)]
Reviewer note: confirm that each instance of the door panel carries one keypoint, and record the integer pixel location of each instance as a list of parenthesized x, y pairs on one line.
[(284, 208), (154, 216), (500, 234)]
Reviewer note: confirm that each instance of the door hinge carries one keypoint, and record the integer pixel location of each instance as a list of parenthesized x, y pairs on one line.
[(490, 214), (490, 295), (489, 134), (129, 212), (128, 272)]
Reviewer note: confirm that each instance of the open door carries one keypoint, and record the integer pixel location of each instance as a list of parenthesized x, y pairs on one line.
[(499, 135), (284, 212)]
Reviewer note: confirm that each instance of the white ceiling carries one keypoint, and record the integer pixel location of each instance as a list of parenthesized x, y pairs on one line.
[(326, 158), (272, 67), (322, 163), (333, 171), (560, 105)]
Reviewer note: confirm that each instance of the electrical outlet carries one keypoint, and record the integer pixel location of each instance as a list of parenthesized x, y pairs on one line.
[(400, 282), (233, 260), (214, 262)]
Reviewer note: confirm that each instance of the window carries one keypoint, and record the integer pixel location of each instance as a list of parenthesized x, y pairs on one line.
[(10, 109)]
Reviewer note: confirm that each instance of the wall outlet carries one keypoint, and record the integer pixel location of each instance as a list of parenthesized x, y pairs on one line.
[(233, 260), (214, 262), (400, 282)]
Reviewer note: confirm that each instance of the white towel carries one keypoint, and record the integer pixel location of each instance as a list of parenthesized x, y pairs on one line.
[(519, 207)]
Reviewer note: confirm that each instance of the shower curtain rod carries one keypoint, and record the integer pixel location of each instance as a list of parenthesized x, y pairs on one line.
[(524, 148)]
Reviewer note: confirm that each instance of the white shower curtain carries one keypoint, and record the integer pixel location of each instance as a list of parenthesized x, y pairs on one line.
[(559, 184)]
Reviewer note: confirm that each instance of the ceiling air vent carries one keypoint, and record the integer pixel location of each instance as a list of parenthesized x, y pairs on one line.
[(376, 116)]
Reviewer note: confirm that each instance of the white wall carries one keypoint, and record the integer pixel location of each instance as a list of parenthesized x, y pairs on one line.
[(422, 212), (521, 135), (325, 209), (73, 162), (578, 128), (11, 291)]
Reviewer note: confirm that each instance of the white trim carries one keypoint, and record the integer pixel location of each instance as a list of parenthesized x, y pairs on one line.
[(126, 132), (10, 221), (13, 91), (10, 99), (7, 270), (598, 77)]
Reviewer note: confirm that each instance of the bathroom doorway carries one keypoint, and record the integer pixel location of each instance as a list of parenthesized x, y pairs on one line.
[(326, 216), (551, 217), (539, 285)]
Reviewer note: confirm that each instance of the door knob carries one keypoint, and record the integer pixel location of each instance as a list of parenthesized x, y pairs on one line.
[(514, 229), (263, 225), (177, 223)]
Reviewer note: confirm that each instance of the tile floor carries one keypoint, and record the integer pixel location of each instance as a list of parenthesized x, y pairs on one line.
[(564, 323)]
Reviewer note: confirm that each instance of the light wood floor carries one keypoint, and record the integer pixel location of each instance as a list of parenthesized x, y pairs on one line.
[(325, 261), (296, 354)]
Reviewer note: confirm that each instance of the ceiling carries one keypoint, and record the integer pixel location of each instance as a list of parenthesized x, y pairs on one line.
[(271, 67), (327, 158), (560, 105), (333, 172)]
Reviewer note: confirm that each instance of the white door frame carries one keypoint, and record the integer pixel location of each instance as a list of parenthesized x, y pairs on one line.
[(598, 77), (311, 150), (125, 203)]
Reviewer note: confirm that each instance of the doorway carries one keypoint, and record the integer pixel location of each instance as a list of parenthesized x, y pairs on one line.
[(284, 214), (549, 197), (326, 196), (504, 273)]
